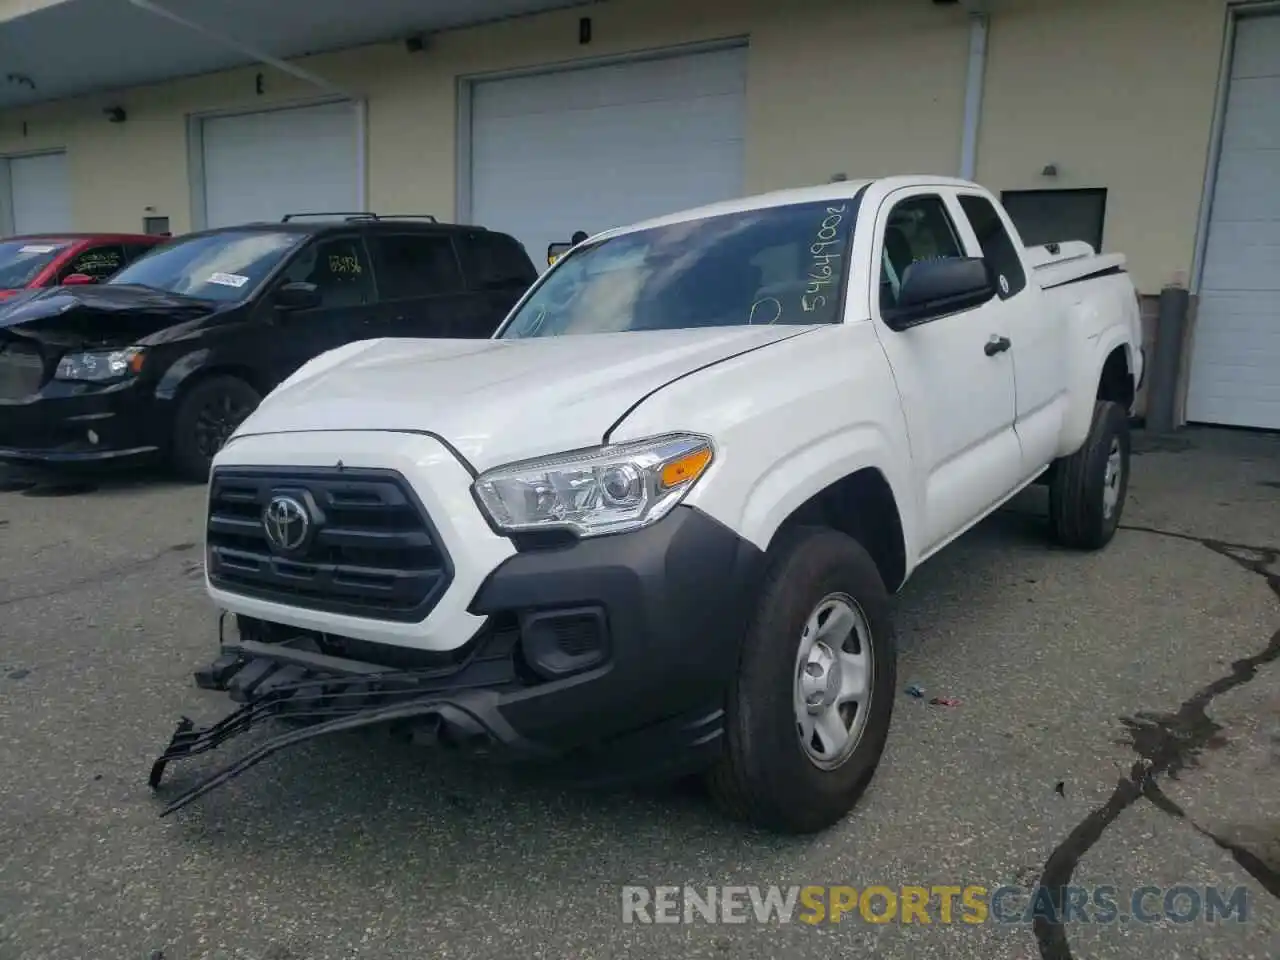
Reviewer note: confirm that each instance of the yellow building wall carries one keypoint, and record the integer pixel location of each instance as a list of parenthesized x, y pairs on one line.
[(1118, 93), (826, 94)]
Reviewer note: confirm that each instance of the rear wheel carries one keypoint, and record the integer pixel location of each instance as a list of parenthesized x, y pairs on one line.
[(207, 416), (809, 711), (1088, 490)]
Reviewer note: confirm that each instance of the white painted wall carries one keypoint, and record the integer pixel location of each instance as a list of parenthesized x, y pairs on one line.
[(1116, 92)]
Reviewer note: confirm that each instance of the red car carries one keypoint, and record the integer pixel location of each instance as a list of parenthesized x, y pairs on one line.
[(48, 260)]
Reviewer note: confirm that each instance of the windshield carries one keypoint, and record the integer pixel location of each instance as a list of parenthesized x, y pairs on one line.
[(768, 266), (21, 260), (217, 266)]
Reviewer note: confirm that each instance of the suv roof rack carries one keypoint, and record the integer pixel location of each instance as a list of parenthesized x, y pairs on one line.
[(405, 216), (360, 215), (347, 214)]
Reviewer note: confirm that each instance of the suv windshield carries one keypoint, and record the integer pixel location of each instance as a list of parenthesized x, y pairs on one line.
[(216, 266), (773, 265), (21, 260)]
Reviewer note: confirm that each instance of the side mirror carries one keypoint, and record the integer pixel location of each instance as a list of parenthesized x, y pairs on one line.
[(77, 280), (932, 288), (298, 295), (557, 250)]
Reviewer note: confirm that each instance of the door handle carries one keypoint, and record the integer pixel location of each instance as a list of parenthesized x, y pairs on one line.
[(996, 345)]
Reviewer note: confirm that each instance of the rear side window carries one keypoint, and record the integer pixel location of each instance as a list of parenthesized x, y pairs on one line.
[(495, 261), (997, 245), (97, 262), (415, 265)]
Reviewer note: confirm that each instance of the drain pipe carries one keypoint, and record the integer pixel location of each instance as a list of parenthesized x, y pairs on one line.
[(978, 23), (293, 70)]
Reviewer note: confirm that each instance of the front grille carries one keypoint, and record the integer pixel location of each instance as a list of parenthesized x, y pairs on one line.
[(21, 369), (374, 552)]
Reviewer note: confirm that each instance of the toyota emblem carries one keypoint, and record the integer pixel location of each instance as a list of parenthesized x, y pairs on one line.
[(286, 522)]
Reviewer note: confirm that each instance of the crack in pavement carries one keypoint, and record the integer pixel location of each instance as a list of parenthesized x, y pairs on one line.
[(1263, 872), (124, 568), (1166, 744)]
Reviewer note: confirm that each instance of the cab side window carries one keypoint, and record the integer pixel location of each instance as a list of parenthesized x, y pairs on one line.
[(97, 262), (997, 245), (919, 228), (339, 269), (416, 265)]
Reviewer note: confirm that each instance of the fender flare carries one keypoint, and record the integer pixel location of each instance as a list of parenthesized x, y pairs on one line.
[(1086, 375), (191, 367), (800, 472)]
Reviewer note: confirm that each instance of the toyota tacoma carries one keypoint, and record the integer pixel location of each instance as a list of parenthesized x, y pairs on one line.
[(652, 526)]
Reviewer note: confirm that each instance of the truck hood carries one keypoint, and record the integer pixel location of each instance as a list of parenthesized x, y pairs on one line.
[(497, 401), (98, 316)]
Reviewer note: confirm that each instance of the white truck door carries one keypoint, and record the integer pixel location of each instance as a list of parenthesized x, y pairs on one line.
[(957, 390), (1034, 328)]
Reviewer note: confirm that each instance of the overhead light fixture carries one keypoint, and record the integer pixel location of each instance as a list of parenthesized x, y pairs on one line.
[(115, 114)]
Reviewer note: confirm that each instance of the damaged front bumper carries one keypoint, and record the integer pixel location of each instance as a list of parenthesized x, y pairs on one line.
[(607, 661), (455, 705)]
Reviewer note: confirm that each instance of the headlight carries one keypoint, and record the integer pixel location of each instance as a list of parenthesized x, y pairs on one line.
[(101, 365), (592, 492)]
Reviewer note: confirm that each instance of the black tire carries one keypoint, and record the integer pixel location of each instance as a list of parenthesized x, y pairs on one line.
[(207, 415), (765, 776), (1078, 518)]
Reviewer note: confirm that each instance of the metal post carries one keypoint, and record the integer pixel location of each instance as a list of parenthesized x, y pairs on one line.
[(1171, 324), (973, 95)]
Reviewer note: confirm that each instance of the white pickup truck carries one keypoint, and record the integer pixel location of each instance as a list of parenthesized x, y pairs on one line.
[(653, 525)]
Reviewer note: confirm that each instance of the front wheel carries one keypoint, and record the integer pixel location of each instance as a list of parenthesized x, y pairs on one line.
[(206, 418), (809, 712)]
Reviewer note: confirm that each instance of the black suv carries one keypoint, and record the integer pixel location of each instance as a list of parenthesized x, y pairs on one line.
[(167, 358)]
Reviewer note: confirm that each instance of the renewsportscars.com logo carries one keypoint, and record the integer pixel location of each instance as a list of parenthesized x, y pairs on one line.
[(937, 903)]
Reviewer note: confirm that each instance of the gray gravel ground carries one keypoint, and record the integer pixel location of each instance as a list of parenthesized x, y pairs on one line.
[(356, 847)]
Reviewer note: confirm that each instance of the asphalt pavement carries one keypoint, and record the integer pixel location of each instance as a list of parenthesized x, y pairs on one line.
[(1117, 725)]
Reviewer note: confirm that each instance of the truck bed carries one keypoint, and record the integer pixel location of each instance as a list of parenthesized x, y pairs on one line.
[(1055, 264)]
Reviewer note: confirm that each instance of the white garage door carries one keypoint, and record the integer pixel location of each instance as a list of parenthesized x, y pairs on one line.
[(1235, 367), (600, 147), (260, 166), (40, 191)]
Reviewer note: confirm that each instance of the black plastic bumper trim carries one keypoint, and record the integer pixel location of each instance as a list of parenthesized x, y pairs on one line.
[(676, 598)]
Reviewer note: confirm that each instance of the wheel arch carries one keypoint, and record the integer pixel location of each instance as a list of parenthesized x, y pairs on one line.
[(1116, 381), (861, 504), (199, 366), (1101, 368)]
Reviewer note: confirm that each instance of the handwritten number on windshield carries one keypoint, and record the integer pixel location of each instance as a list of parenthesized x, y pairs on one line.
[(764, 301), (826, 252), (538, 320)]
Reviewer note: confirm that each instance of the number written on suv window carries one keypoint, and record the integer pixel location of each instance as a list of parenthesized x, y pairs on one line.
[(339, 269)]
